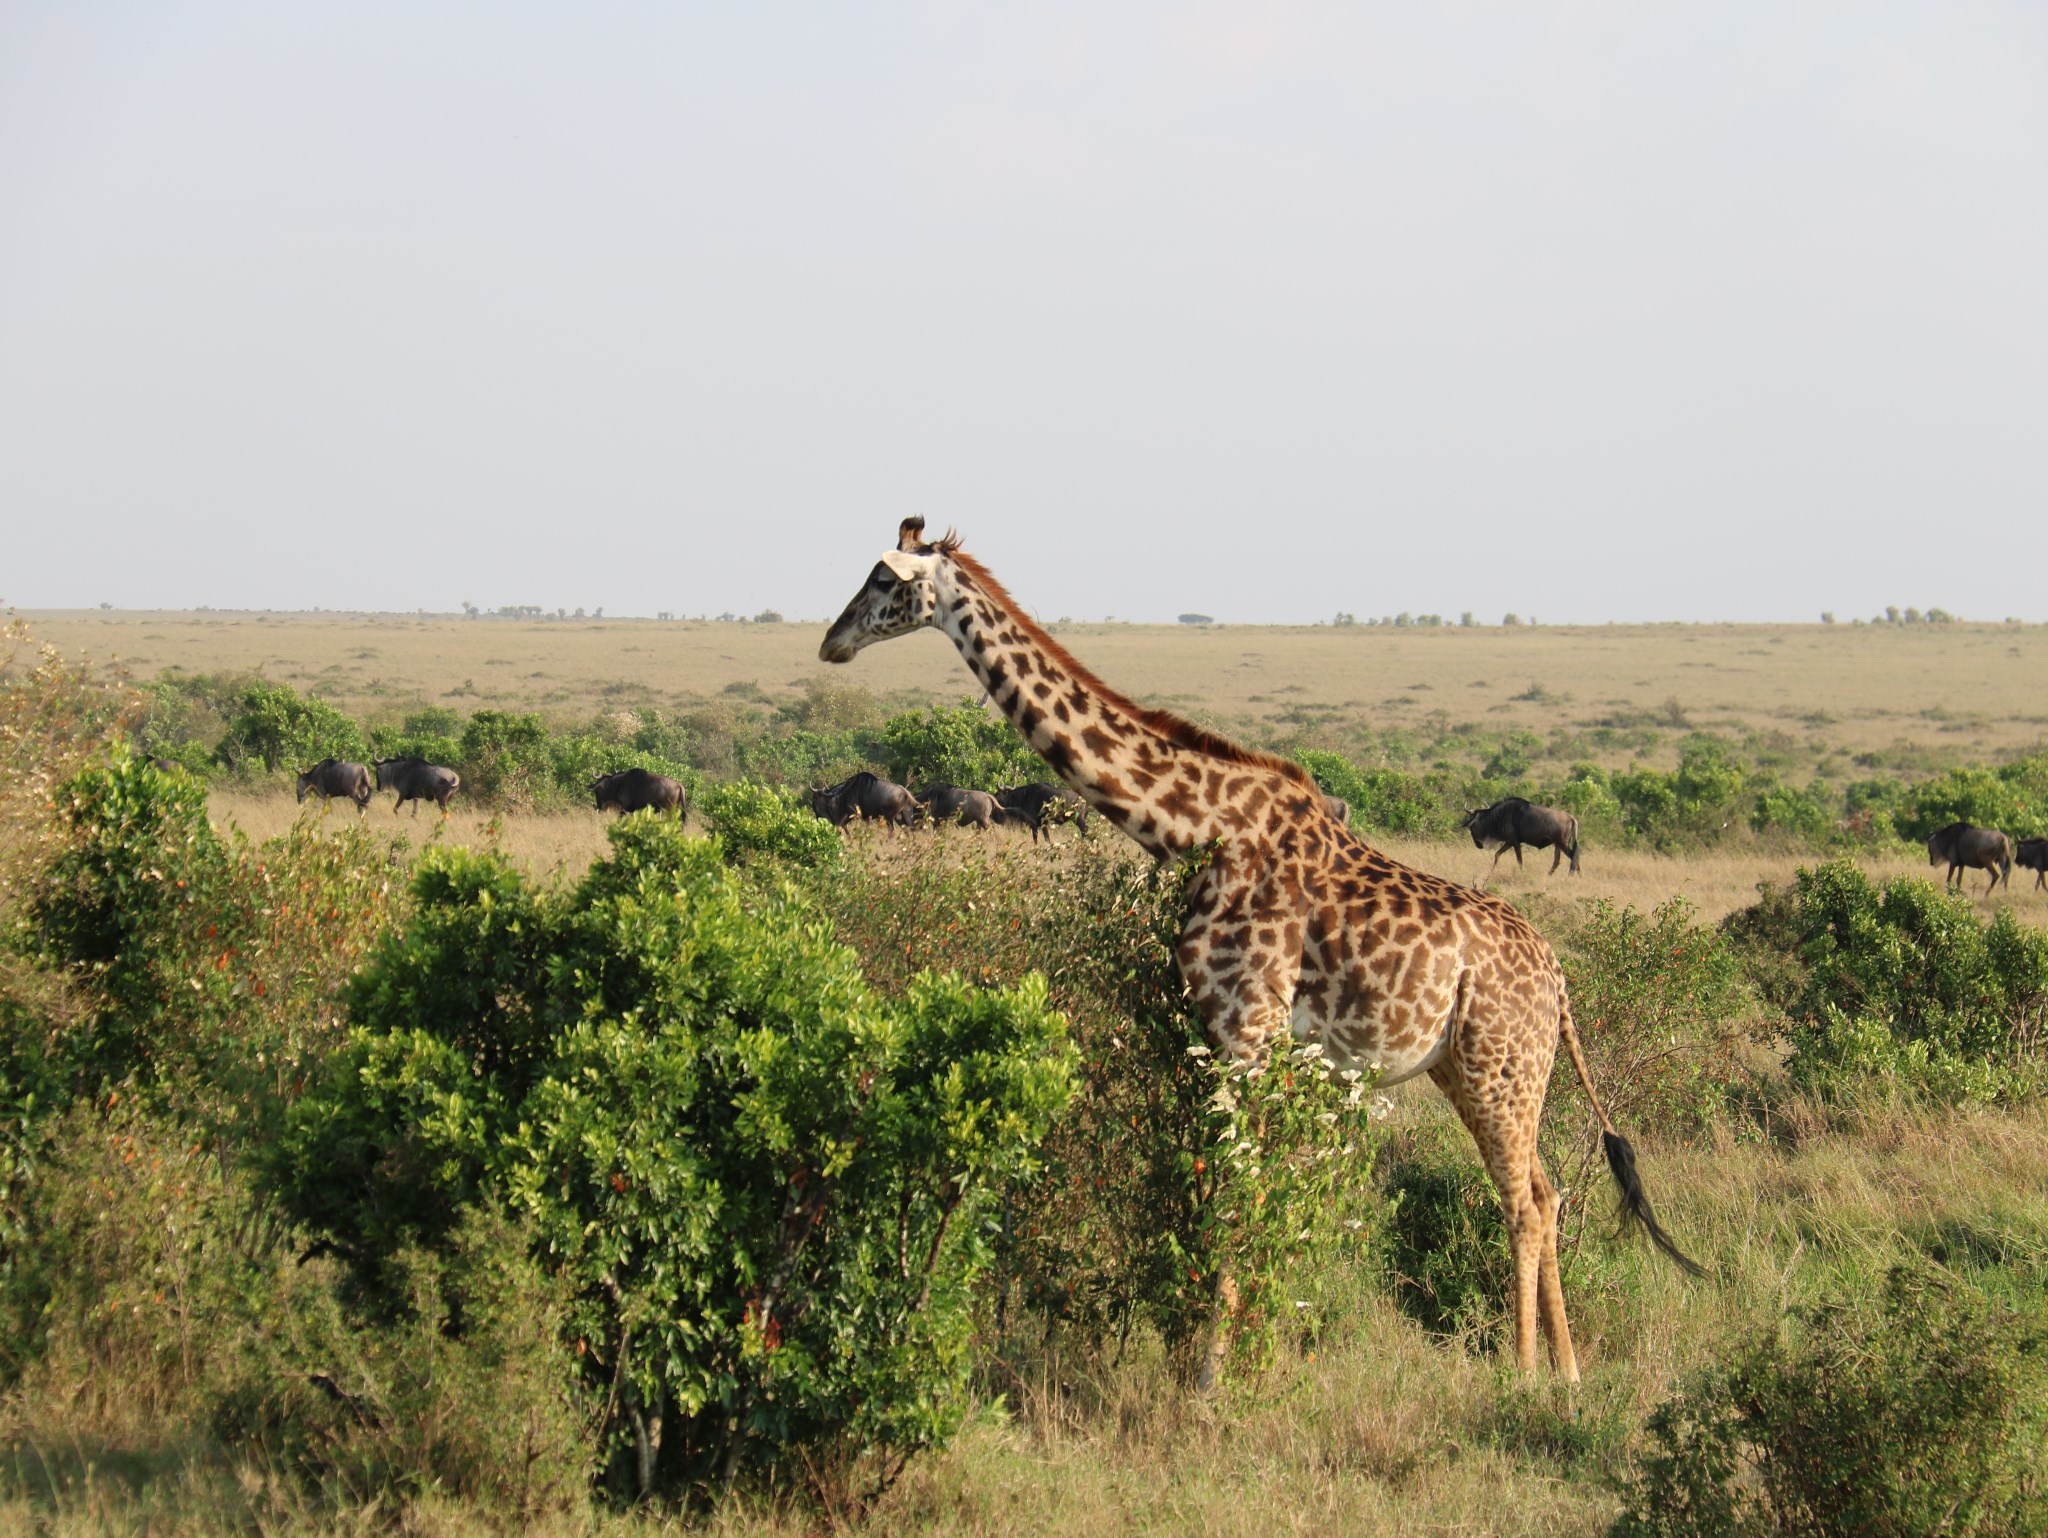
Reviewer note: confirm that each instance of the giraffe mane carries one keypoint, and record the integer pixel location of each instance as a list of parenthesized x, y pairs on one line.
[(1178, 730)]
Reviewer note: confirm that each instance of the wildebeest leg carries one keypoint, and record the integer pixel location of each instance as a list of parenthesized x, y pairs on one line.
[(1556, 857), (1499, 850), (1518, 855)]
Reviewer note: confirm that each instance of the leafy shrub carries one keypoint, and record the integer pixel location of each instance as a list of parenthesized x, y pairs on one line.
[(1786, 812), (277, 728), (210, 966), (1444, 1244), (804, 758), (470, 1389), (127, 1279), (1923, 1415), (2008, 798), (960, 745), (1905, 981), (1171, 1171), (757, 823), (1387, 800), (504, 756), (1660, 1003), (768, 1187), (141, 872), (1587, 794)]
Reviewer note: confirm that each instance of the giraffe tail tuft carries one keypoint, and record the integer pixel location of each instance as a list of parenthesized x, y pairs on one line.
[(1635, 1203)]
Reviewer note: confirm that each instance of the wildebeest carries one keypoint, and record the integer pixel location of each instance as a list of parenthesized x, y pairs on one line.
[(2032, 854), (1038, 806), (1965, 845), (954, 803), (333, 777), (416, 780), (638, 790), (868, 796), (1512, 822)]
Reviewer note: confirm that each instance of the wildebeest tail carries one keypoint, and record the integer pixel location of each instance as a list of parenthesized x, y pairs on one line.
[(1621, 1159), (1572, 823)]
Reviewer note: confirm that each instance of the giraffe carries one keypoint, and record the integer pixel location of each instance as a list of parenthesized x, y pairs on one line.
[(1295, 926)]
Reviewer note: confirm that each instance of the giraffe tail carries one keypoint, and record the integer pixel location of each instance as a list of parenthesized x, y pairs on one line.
[(1621, 1158)]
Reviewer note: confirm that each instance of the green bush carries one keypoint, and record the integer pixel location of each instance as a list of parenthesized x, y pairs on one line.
[(1384, 800), (274, 727), (1807, 816), (1906, 982), (121, 908), (1991, 798), (210, 966), (757, 823), (1171, 1171), (1660, 1003), (1589, 796), (961, 745), (768, 1187), (1923, 1415), (1444, 1243), (471, 1389), (505, 756)]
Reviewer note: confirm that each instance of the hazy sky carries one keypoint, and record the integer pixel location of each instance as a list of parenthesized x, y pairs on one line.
[(1697, 311)]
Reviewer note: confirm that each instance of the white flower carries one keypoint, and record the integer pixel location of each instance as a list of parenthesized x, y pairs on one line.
[(1198, 1051), (1349, 1076)]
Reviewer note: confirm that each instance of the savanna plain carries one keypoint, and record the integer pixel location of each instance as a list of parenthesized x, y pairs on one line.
[(272, 1266)]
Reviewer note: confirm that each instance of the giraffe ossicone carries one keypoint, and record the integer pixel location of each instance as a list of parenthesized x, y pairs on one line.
[(1295, 925)]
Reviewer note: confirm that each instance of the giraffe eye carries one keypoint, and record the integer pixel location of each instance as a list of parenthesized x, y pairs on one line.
[(883, 578)]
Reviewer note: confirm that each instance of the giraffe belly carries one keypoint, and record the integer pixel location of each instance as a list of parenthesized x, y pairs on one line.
[(1359, 1043)]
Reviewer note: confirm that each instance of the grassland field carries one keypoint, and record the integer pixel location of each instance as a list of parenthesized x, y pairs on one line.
[(1925, 693), (1386, 1426), (1966, 691)]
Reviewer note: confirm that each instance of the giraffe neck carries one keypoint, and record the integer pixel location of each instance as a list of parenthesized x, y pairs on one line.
[(1168, 784)]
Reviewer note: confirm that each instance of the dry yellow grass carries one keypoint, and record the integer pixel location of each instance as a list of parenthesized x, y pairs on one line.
[(540, 842), (1979, 690)]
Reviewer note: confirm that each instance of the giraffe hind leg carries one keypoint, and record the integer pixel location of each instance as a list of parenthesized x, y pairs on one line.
[(1501, 1109)]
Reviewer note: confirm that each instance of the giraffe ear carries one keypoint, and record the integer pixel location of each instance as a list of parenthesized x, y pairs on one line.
[(910, 537)]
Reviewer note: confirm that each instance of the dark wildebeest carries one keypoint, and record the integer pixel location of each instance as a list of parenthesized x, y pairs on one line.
[(416, 780), (1513, 822), (1038, 806), (333, 777), (2032, 854), (1965, 845), (868, 796), (954, 803), (639, 790)]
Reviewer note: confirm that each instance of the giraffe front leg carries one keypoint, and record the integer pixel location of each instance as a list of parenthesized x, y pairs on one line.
[(1240, 956)]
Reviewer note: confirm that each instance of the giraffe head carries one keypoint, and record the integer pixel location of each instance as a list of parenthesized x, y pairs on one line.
[(900, 595)]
